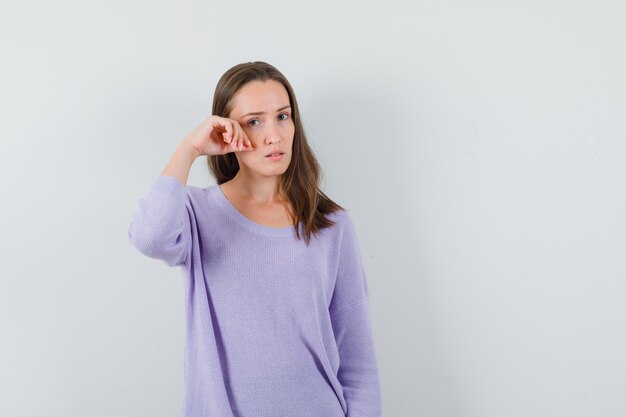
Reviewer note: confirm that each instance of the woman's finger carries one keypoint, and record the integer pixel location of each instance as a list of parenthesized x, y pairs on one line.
[(240, 136), (238, 133), (235, 142), (229, 130)]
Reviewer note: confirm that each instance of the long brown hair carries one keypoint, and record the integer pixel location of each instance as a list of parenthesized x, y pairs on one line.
[(300, 183)]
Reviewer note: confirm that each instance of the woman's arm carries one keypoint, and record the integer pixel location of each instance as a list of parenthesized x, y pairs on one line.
[(350, 316), (180, 163), (161, 226)]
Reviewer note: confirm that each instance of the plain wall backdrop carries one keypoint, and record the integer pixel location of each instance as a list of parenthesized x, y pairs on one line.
[(480, 147)]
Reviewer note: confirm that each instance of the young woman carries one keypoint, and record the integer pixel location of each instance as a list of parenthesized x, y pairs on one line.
[(278, 322)]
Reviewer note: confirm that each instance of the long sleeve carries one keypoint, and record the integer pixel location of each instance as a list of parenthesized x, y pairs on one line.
[(161, 226), (350, 316)]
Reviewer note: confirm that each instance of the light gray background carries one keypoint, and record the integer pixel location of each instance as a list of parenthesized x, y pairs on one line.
[(479, 146)]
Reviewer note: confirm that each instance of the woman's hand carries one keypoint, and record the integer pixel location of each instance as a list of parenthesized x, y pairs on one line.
[(218, 136)]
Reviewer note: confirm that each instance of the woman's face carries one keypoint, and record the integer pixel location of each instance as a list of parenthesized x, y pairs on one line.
[(270, 129)]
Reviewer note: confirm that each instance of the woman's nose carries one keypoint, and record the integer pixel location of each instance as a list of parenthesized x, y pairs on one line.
[(271, 135)]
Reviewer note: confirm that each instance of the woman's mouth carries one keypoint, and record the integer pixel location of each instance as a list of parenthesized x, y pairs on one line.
[(275, 156)]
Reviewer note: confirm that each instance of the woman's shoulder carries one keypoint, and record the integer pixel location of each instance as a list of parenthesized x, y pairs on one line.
[(339, 215), (201, 198), (342, 219), (204, 192)]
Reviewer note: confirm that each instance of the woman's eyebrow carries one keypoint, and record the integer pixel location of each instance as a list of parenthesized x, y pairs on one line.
[(262, 112)]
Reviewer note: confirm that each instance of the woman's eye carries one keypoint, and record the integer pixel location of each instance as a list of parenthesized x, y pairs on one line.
[(250, 122)]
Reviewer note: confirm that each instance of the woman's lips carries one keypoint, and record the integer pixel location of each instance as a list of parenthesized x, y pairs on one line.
[(276, 156)]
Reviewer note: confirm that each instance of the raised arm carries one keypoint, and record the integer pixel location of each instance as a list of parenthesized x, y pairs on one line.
[(161, 226)]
